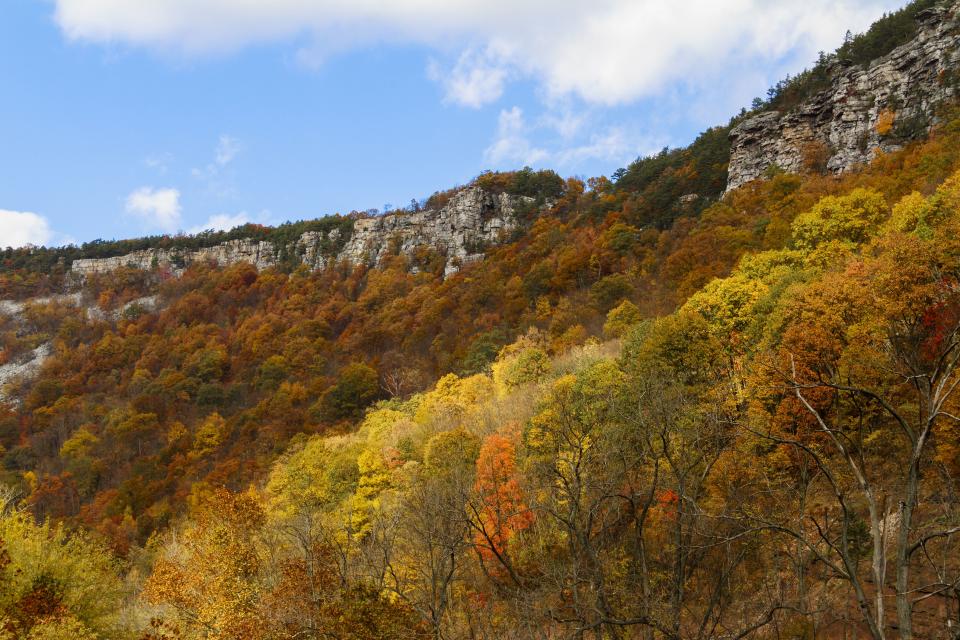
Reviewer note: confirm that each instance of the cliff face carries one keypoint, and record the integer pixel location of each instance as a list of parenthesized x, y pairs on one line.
[(864, 110), (470, 221), (259, 254)]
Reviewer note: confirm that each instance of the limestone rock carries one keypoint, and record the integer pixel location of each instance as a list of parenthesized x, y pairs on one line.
[(259, 254), (472, 220), (25, 367), (864, 110)]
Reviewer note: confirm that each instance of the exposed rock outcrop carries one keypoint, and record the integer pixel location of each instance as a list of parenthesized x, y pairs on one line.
[(259, 254), (865, 110), (472, 220), (26, 365), (22, 368)]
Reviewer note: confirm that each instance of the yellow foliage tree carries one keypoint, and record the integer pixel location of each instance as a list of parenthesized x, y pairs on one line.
[(851, 218), (209, 435), (56, 584), (209, 577)]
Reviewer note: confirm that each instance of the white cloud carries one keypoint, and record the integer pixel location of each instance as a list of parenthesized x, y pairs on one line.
[(512, 145), (227, 149), (160, 162), (610, 145), (221, 222), (478, 78), (606, 52), (518, 142), (215, 174), (20, 228), (158, 208), (565, 121)]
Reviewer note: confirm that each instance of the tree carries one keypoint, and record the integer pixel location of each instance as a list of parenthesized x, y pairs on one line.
[(850, 218), (209, 577), (428, 554), (609, 290), (583, 462), (209, 435), (357, 386), (498, 507), (451, 451), (884, 387), (520, 364), (620, 319), (56, 584)]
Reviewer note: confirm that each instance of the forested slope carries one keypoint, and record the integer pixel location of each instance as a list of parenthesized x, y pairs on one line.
[(741, 461), (646, 415)]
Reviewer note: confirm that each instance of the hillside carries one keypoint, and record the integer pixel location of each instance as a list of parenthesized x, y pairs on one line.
[(710, 396)]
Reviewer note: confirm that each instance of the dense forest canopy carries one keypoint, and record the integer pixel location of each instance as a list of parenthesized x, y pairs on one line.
[(658, 412)]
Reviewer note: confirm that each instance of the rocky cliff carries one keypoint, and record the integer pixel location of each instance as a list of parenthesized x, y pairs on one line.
[(472, 220), (865, 110), (259, 254)]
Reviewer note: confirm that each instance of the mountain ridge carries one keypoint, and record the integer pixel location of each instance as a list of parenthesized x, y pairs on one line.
[(471, 219), (867, 109), (654, 411)]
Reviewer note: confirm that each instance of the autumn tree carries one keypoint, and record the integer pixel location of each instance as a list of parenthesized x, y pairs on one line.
[(55, 583), (209, 577), (357, 386)]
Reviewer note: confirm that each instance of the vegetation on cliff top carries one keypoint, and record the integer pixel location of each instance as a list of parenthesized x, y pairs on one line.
[(883, 36), (40, 269)]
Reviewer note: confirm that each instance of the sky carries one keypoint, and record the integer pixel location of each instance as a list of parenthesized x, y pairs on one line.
[(124, 118)]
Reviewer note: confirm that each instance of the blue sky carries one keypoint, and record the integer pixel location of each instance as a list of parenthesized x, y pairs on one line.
[(120, 118)]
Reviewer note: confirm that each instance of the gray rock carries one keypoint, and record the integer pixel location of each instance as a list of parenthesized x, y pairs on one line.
[(864, 111), (259, 254), (26, 367), (471, 220)]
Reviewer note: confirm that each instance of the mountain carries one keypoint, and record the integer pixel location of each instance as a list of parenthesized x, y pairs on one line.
[(711, 396)]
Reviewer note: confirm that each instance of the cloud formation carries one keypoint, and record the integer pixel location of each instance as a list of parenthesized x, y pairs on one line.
[(477, 78), (512, 144), (519, 142), (227, 149), (221, 222), (157, 208), (225, 152), (20, 228), (605, 52), (159, 162)]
